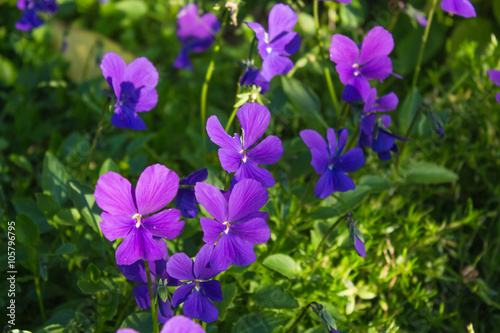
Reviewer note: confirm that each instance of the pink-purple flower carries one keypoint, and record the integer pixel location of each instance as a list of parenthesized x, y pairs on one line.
[(30, 19), (494, 75), (195, 33), (243, 154), (199, 293), (462, 8), (237, 223), (328, 161), (128, 213), (279, 42), (176, 324), (356, 67), (134, 87)]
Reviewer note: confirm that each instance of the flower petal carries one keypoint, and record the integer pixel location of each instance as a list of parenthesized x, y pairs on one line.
[(147, 99), (199, 306), (462, 8), (231, 250), (250, 170), (230, 159), (324, 186), (135, 272), (181, 324), (165, 311), (331, 137), (127, 120), (212, 200), (343, 50), (260, 32), (342, 182), (141, 294), (268, 151), (494, 75), (255, 231), (180, 267), (195, 177), (319, 150), (287, 44), (360, 247), (182, 60), (202, 269), (387, 102), (115, 195), (113, 69), (165, 224), (379, 68), (342, 139), (378, 42), (350, 161), (156, 187), (247, 197), (274, 64), (186, 201), (212, 290), (254, 119), (182, 293), (219, 136), (139, 245), (211, 230), (141, 72), (282, 19), (114, 227)]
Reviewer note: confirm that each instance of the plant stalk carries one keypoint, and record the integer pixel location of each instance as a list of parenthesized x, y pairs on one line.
[(154, 313), (39, 297), (96, 137)]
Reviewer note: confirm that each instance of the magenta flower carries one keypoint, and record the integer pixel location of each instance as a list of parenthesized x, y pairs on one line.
[(494, 75), (195, 33), (330, 163), (185, 199), (242, 154), (199, 293), (176, 324), (158, 270), (356, 68), (30, 19), (279, 43), (462, 8), (134, 87), (237, 223), (127, 213)]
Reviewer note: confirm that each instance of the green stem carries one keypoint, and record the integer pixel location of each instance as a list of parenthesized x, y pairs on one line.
[(208, 77), (123, 312), (323, 240), (39, 297), (299, 318), (323, 58), (231, 118), (154, 313), (96, 137)]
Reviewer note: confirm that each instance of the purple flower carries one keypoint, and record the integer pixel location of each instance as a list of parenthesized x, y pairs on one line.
[(134, 88), (242, 154), (237, 223), (30, 19), (158, 270), (126, 213), (176, 324), (253, 77), (356, 237), (328, 161), (359, 246), (279, 43), (185, 199), (199, 294), (459, 7), (494, 75), (195, 33), (421, 20), (356, 68)]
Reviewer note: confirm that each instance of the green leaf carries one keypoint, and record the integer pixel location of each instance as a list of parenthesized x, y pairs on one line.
[(66, 248), (22, 162), (108, 166), (348, 201), (55, 179), (282, 264), (260, 322), (353, 16), (228, 294), (274, 297), (88, 287), (83, 199), (69, 217), (30, 208), (48, 206), (132, 8), (107, 303), (376, 183), (137, 143), (429, 173), (410, 106), (140, 321), (26, 230), (93, 273)]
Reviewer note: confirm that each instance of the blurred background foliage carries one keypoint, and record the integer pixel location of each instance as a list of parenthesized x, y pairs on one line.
[(432, 227)]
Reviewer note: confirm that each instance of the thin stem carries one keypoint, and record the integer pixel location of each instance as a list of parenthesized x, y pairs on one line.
[(208, 77), (96, 137), (323, 58), (299, 318), (154, 313), (123, 313), (39, 297), (231, 118), (320, 245)]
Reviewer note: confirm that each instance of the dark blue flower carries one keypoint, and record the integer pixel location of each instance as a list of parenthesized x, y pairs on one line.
[(30, 19), (185, 199)]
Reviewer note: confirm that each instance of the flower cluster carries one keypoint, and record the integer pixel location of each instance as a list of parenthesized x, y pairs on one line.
[(30, 18)]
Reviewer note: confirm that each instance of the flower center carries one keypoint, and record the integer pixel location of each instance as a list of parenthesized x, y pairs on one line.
[(244, 157), (227, 224), (138, 217), (197, 284), (269, 49)]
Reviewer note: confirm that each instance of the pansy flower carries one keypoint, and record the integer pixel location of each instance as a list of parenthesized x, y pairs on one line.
[(253, 77), (462, 8), (242, 154), (30, 19), (330, 163), (199, 293), (357, 67), (195, 33), (494, 75), (185, 199), (176, 324), (127, 213), (237, 223), (279, 43), (355, 236), (134, 87), (158, 271)]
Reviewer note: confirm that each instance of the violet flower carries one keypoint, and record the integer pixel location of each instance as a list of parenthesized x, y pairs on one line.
[(185, 199), (242, 154), (281, 42), (494, 75), (330, 163), (158, 271), (176, 324), (134, 87), (199, 293), (125, 213), (357, 67), (30, 19), (253, 77), (355, 236), (462, 8), (237, 223), (195, 33)]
